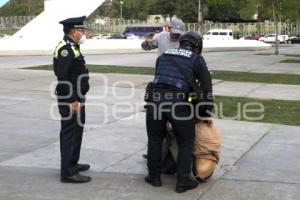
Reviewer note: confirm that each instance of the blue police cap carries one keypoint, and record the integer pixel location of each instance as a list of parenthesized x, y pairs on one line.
[(75, 22)]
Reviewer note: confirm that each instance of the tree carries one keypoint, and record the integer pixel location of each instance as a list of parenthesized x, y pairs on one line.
[(22, 8), (286, 9), (166, 7), (289, 9), (247, 9), (187, 10), (134, 9), (213, 10)]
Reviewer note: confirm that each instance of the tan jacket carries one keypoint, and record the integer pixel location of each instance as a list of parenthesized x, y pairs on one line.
[(207, 142)]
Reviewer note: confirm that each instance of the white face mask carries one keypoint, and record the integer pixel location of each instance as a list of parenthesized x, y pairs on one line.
[(82, 39)]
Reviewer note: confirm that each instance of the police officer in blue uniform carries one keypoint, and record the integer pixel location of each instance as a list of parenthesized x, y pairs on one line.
[(73, 84), (171, 88)]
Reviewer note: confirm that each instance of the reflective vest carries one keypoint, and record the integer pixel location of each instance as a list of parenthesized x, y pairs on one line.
[(62, 44)]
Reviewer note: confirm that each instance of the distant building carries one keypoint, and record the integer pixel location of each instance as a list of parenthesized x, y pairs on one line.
[(155, 19)]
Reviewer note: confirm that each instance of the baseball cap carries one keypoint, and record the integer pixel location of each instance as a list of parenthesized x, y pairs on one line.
[(177, 26)]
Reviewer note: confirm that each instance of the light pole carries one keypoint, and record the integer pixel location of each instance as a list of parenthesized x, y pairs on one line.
[(276, 27), (121, 10), (200, 18), (257, 8)]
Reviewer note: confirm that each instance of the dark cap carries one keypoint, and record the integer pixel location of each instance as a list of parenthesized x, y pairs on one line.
[(76, 22)]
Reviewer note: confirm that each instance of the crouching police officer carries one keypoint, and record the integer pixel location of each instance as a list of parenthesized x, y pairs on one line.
[(73, 84), (171, 87)]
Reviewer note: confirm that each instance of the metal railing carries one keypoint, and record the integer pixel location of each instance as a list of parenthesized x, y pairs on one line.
[(14, 22), (239, 29), (118, 26), (243, 29), (113, 25)]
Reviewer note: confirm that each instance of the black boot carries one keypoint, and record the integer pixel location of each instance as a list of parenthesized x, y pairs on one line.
[(185, 184), (76, 178), (82, 167), (154, 181)]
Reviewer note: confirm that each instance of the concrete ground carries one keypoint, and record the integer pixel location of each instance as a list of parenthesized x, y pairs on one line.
[(247, 61), (258, 160)]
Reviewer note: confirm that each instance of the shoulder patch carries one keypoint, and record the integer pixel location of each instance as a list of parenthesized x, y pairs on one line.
[(64, 53)]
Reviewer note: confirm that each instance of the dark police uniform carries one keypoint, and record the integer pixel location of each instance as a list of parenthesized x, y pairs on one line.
[(73, 84), (170, 80)]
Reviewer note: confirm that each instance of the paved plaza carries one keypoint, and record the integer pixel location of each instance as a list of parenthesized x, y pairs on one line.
[(258, 160)]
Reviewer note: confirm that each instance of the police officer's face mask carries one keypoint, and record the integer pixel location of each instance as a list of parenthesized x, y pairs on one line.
[(80, 35), (82, 39)]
